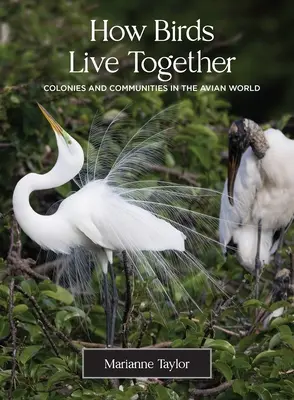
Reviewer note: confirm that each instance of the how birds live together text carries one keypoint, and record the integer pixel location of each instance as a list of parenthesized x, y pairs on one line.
[(164, 66)]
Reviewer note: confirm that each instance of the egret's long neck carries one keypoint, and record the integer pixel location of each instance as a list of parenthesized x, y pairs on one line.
[(31, 222)]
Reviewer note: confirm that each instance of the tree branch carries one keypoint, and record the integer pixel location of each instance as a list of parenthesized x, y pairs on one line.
[(89, 345), (46, 333), (46, 322), (161, 345), (211, 391), (185, 176), (13, 331)]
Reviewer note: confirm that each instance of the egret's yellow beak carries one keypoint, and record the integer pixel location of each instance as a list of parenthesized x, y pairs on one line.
[(55, 125)]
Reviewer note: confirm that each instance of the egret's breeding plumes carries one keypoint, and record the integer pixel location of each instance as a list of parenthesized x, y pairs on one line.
[(258, 198), (154, 223)]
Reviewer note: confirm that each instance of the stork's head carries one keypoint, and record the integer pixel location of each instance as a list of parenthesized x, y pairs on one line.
[(242, 134)]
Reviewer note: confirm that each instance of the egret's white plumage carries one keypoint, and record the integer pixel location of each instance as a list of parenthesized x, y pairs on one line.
[(114, 210), (263, 191)]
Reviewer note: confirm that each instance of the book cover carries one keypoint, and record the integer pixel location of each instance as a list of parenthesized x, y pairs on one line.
[(146, 200)]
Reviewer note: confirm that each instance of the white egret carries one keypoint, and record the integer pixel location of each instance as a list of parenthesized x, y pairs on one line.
[(257, 203), (114, 211)]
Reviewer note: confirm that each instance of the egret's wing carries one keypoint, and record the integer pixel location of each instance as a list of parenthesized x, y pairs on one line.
[(117, 224)]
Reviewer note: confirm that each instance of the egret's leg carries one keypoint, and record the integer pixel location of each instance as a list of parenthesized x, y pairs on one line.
[(128, 298), (114, 302), (257, 260), (107, 308)]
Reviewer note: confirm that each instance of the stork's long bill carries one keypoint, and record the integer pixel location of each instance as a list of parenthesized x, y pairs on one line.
[(233, 166), (238, 143)]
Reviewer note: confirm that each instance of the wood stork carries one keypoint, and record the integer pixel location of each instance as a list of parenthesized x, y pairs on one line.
[(257, 203)]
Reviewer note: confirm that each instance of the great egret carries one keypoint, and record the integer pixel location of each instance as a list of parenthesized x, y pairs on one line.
[(114, 211), (257, 202)]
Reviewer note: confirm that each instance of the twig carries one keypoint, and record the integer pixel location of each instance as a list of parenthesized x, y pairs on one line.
[(5, 145), (47, 335), (222, 43), (183, 175), (48, 266), (227, 331), (46, 322), (291, 267), (289, 372), (89, 345), (18, 265), (143, 329), (162, 345), (212, 391), (17, 243), (21, 266), (13, 334)]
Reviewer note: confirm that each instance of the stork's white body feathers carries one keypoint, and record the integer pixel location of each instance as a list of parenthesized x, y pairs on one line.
[(263, 191)]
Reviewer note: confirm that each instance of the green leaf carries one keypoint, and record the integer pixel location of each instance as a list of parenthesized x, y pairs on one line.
[(74, 312), (14, 99), (246, 342), (19, 394), (60, 319), (20, 308), (275, 341), (204, 155), (283, 121), (28, 353), (224, 369), (241, 363), (56, 361), (59, 376), (279, 304), (285, 330), (288, 339), (4, 327), (262, 392), (164, 393), (29, 286), (177, 343), (5, 375), (253, 303), (281, 321), (169, 160), (3, 360), (4, 290), (239, 387), (290, 384), (220, 344), (265, 355), (61, 295)]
